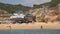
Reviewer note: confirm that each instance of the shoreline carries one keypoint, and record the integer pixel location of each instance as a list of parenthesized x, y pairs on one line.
[(29, 26)]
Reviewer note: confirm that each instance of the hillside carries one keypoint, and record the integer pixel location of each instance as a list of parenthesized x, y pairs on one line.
[(12, 8), (52, 3)]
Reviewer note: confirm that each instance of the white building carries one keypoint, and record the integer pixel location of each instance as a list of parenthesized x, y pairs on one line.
[(17, 15)]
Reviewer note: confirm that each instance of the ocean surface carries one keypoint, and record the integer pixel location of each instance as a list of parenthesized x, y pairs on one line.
[(35, 31)]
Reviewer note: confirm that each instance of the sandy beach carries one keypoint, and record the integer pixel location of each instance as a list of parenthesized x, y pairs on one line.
[(30, 26)]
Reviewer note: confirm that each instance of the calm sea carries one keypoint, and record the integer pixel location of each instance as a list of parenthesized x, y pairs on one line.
[(36, 31)]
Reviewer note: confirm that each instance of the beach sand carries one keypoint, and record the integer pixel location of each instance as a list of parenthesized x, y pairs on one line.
[(30, 26)]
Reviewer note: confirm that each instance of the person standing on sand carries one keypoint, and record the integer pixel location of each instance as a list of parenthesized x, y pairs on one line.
[(9, 27), (41, 27)]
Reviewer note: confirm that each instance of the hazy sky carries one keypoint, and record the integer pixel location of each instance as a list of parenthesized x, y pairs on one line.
[(24, 2)]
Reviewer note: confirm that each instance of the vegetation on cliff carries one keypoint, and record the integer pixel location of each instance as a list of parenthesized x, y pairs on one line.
[(52, 3), (12, 8)]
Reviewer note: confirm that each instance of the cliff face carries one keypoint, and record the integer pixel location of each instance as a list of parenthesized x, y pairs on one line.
[(54, 15), (55, 12)]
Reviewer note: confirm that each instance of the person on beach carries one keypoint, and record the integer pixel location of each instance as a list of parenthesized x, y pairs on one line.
[(9, 27), (41, 27)]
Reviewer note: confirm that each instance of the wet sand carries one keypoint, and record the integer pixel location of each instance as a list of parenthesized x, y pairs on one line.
[(30, 26)]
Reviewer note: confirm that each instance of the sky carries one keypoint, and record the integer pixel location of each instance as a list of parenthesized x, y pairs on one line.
[(25, 2)]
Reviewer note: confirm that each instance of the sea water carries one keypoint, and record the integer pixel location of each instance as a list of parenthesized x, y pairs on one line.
[(35, 31)]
